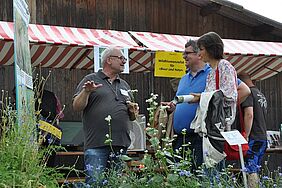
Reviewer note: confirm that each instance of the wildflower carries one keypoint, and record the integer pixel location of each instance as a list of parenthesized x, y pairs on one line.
[(185, 173), (105, 182), (107, 136), (108, 119), (89, 167), (99, 167), (112, 155), (234, 179), (149, 100), (154, 96), (133, 90), (50, 140), (183, 131), (176, 165), (265, 177), (188, 173), (181, 173)]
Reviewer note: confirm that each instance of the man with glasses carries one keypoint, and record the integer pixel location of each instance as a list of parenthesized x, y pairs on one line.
[(105, 100), (192, 82), (184, 113)]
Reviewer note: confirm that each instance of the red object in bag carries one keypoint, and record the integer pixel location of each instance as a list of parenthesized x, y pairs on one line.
[(232, 152)]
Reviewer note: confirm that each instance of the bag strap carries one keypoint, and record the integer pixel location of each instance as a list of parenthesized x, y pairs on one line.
[(242, 124), (238, 102), (217, 79)]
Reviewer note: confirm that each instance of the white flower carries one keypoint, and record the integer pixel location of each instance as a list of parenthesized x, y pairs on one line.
[(133, 90), (108, 118), (155, 96), (107, 135), (149, 100)]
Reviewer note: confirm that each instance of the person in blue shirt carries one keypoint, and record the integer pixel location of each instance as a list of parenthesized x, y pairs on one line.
[(193, 82)]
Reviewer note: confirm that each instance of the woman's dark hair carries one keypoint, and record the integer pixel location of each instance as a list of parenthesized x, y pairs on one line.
[(213, 44)]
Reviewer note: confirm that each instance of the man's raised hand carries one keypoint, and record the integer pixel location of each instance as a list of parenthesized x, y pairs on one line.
[(90, 86)]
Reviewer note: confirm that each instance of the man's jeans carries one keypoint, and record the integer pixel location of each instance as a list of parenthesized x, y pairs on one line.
[(255, 154), (196, 147), (98, 160)]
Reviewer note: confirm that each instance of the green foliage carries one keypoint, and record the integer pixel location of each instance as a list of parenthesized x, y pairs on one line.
[(163, 167), (21, 162)]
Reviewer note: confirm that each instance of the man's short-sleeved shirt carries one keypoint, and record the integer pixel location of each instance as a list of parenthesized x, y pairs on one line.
[(258, 101), (185, 112), (110, 99)]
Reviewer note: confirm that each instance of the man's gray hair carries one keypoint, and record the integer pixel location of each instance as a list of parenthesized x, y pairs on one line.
[(193, 44), (107, 53)]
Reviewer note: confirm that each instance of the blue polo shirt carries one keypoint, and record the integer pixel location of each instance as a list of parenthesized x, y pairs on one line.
[(185, 112)]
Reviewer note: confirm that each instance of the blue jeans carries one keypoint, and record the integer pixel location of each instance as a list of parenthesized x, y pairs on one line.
[(98, 160), (255, 154), (196, 147)]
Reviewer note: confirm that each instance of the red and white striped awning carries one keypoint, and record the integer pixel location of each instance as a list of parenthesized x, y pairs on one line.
[(260, 59), (61, 47), (66, 47)]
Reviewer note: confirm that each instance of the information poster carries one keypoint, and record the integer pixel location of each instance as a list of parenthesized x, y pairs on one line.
[(98, 61), (23, 71), (169, 64)]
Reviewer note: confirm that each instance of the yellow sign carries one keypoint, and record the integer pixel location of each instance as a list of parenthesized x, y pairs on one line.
[(169, 64), (50, 129)]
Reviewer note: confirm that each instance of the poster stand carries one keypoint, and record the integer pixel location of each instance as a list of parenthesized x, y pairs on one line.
[(235, 138)]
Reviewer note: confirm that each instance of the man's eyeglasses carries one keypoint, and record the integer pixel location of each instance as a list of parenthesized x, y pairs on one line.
[(187, 53), (122, 58)]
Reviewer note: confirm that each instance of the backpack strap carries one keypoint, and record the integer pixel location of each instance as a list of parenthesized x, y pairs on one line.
[(217, 79), (241, 117)]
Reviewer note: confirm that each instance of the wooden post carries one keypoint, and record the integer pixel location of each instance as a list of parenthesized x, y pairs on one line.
[(32, 10)]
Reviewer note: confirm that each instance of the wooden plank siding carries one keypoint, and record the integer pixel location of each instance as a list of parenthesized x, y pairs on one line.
[(162, 16)]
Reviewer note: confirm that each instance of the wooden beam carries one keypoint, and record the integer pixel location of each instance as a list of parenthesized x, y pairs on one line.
[(262, 30), (210, 9), (32, 10)]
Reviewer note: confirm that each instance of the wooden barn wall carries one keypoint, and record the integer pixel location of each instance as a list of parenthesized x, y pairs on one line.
[(162, 16)]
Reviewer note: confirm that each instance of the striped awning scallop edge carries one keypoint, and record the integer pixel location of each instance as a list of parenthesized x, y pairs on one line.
[(67, 47), (61, 47), (260, 59)]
